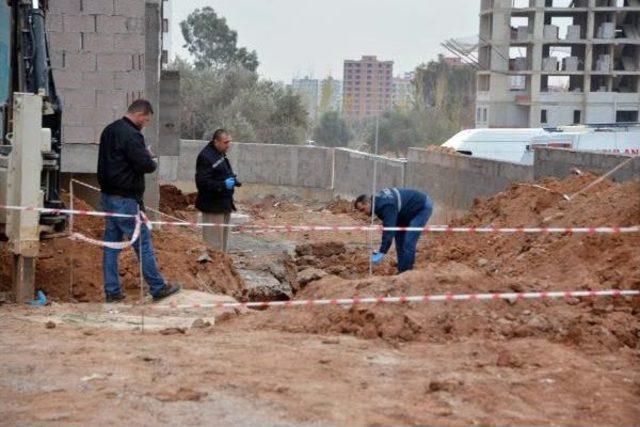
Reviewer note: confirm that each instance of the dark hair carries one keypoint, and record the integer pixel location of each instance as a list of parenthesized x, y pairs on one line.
[(218, 133), (363, 198), (140, 106)]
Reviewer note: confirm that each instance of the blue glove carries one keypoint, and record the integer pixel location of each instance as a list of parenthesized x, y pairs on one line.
[(230, 183), (40, 301), (377, 258)]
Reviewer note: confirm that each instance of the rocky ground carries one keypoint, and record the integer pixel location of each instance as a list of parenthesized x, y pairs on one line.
[(565, 362)]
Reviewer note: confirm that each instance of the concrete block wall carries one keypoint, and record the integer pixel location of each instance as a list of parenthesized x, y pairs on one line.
[(285, 165), (560, 163), (98, 60), (353, 172), (454, 181)]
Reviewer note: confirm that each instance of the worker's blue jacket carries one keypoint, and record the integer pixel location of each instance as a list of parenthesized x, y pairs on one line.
[(396, 207)]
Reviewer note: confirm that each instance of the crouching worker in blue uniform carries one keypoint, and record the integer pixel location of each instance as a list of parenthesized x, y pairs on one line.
[(398, 207)]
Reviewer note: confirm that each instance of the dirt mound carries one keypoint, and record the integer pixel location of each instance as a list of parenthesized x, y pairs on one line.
[(588, 323), (340, 206), (602, 260), (173, 199), (494, 263), (181, 257)]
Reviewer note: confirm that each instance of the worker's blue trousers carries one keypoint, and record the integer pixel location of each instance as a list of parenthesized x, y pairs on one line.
[(407, 241)]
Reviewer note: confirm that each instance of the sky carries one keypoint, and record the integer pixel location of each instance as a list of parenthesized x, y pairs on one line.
[(298, 38)]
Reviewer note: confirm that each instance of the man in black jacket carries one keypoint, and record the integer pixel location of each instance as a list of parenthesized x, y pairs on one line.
[(216, 182), (123, 161)]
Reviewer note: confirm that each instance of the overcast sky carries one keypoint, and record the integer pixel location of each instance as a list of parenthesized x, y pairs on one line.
[(295, 38)]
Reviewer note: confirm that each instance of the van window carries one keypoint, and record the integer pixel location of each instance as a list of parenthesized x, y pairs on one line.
[(627, 116)]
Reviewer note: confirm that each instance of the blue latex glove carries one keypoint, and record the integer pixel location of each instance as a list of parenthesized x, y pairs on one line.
[(230, 183), (40, 301), (377, 258)]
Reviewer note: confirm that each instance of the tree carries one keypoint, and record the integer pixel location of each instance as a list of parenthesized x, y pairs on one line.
[(213, 44), (445, 97), (327, 94), (253, 110), (332, 131), (397, 132)]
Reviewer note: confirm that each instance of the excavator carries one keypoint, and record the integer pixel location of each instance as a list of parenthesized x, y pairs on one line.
[(30, 140)]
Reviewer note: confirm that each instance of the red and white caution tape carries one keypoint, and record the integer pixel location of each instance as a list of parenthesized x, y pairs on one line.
[(110, 245), (96, 189), (410, 299), (444, 229), (64, 211)]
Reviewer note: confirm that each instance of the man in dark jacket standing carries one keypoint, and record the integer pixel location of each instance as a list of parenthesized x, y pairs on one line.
[(398, 207), (216, 182), (123, 161)]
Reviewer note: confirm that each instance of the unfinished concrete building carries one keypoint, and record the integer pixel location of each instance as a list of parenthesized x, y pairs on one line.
[(558, 62)]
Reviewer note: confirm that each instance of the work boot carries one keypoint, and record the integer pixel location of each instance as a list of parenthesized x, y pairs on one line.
[(114, 298), (168, 290)]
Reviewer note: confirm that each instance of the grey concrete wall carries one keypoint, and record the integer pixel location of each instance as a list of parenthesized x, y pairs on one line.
[(296, 166), (189, 150), (169, 116), (454, 181), (286, 165), (560, 163), (353, 172)]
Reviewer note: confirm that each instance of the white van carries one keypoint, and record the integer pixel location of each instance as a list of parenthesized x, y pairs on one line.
[(518, 145)]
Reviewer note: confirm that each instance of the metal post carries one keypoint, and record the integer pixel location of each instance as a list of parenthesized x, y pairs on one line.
[(23, 189), (373, 193), (139, 218), (71, 218)]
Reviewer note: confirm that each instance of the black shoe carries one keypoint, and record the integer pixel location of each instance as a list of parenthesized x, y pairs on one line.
[(168, 290), (111, 298)]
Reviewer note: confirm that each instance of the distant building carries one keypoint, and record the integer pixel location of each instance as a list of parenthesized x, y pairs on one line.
[(167, 29), (552, 63), (368, 87), (404, 91), (453, 61), (308, 89), (330, 98)]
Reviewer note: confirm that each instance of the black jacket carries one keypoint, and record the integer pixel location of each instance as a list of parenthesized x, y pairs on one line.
[(212, 169), (123, 160)]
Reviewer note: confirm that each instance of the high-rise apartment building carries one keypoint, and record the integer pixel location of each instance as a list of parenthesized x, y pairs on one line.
[(367, 88), (558, 62)]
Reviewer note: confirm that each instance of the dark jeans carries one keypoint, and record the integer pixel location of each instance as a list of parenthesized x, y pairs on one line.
[(118, 228), (407, 241)]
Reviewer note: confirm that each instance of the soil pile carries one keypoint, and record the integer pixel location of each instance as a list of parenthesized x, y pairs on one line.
[(493, 263), (172, 199), (340, 206), (610, 261), (595, 324), (182, 258)]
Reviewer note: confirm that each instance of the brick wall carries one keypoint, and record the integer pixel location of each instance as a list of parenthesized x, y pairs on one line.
[(98, 54)]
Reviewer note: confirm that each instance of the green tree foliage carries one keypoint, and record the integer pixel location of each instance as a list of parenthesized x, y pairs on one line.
[(213, 44), (444, 105), (398, 130), (445, 99), (253, 110), (332, 131)]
